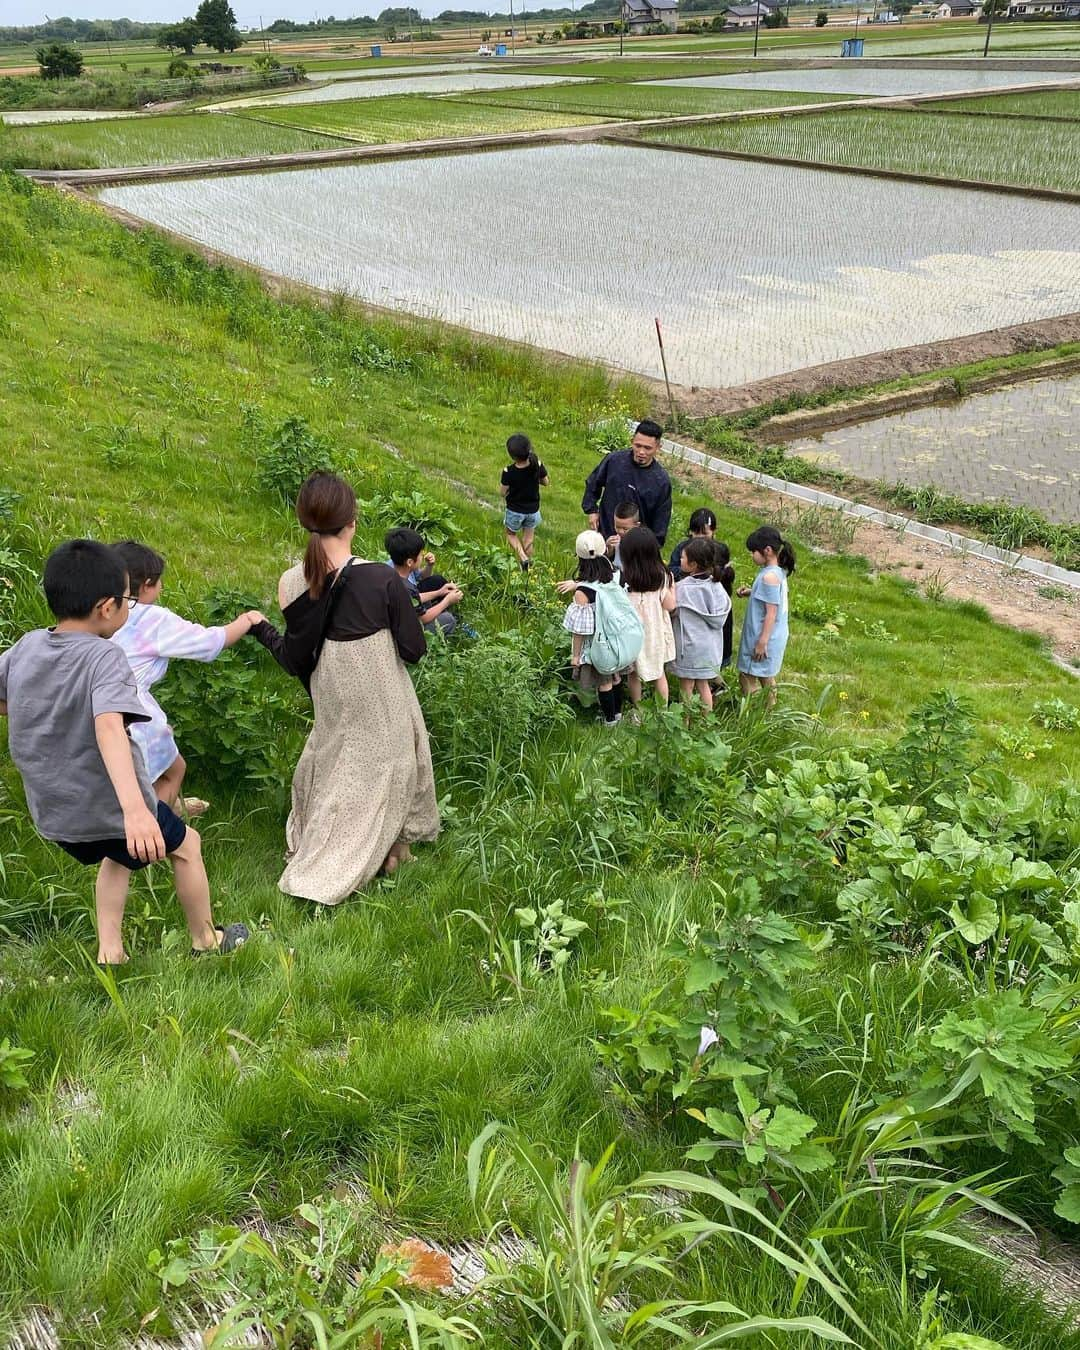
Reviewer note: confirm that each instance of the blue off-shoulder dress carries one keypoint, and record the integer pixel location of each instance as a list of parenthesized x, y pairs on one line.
[(770, 588)]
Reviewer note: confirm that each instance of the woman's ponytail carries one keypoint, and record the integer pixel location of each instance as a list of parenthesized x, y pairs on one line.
[(325, 506), (786, 557)]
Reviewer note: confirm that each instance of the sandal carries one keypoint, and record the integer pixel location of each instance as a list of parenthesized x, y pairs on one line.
[(234, 935), (193, 806)]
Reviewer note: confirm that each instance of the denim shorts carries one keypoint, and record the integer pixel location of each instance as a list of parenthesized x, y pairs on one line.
[(88, 851), (521, 520)]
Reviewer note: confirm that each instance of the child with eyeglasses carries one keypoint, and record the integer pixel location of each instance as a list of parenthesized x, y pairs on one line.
[(152, 635)]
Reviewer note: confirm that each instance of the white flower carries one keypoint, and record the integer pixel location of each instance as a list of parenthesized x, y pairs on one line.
[(708, 1037)]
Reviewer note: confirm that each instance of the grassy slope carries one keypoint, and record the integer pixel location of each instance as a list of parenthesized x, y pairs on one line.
[(411, 117), (373, 1041), (152, 140), (1030, 154)]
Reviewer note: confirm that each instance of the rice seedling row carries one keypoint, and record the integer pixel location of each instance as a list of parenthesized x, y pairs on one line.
[(1045, 103), (411, 84), (539, 245), (413, 117), (629, 101), (883, 82), (1016, 153), (630, 68), (172, 139)]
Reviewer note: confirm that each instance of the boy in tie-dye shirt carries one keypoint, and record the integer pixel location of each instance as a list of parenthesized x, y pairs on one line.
[(151, 636)]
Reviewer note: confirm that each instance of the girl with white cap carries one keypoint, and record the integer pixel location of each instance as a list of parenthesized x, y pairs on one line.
[(594, 567)]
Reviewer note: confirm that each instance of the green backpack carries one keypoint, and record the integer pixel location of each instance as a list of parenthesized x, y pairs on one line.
[(618, 635)]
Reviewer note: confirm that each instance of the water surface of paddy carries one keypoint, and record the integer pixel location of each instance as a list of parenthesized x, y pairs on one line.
[(409, 84), (873, 80), (753, 268), (1020, 445)]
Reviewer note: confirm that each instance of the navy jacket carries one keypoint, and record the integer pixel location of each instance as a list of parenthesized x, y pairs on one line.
[(617, 479)]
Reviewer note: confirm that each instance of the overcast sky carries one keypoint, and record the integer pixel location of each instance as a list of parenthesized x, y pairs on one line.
[(151, 11)]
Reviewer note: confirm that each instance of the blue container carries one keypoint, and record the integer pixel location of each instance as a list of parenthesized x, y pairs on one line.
[(851, 47), (376, 50), (500, 49)]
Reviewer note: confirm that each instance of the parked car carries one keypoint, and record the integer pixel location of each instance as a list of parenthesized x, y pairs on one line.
[(484, 50)]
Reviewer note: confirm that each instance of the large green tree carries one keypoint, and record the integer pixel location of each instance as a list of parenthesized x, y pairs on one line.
[(59, 61), (216, 23), (182, 36)]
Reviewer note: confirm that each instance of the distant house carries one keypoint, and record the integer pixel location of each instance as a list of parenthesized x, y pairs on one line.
[(747, 16), (640, 14), (957, 9), (1027, 9)]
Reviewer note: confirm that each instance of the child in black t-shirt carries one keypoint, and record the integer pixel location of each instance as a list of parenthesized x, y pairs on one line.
[(520, 484)]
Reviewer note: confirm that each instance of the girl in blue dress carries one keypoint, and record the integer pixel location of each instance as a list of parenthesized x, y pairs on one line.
[(765, 625)]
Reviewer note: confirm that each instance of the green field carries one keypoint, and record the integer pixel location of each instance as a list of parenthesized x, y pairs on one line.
[(630, 101), (345, 1061), (1047, 103), (631, 68), (172, 139), (1045, 154), (414, 117)]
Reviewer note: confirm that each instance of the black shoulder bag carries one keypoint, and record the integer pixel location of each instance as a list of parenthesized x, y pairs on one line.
[(298, 649)]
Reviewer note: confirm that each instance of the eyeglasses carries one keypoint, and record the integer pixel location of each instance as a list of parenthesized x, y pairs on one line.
[(132, 600)]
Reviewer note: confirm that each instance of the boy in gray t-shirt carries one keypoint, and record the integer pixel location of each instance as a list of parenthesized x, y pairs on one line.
[(69, 696)]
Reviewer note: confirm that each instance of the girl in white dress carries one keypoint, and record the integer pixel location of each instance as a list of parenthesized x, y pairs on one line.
[(652, 593)]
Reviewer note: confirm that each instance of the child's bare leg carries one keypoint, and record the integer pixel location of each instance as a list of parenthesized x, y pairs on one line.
[(635, 687), (193, 891), (515, 544), (110, 897), (169, 784), (768, 683), (527, 537), (661, 687), (686, 688), (748, 684), (704, 692)]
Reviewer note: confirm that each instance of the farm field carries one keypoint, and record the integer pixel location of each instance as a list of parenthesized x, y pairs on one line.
[(642, 99), (345, 1061), (153, 140), (883, 83), (1048, 103), (419, 84), (413, 117), (1016, 444), (1027, 154), (469, 252)]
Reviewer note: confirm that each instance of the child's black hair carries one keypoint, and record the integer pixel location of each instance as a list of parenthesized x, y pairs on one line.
[(80, 574), (702, 519), (403, 543), (592, 570), (642, 566), (520, 450), (723, 561), (628, 511), (768, 536), (144, 566), (704, 555)]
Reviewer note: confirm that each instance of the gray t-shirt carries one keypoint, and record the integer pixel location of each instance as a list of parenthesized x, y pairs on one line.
[(55, 684)]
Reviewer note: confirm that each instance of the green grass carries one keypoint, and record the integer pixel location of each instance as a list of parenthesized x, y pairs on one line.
[(1019, 153), (630, 101), (1047, 103), (412, 117), (373, 1043), (165, 139)]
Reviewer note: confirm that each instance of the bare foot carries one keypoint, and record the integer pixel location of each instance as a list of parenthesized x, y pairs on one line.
[(193, 806), (402, 852), (112, 958), (390, 865)]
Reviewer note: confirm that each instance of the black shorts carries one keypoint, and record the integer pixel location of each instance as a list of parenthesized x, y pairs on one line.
[(173, 831)]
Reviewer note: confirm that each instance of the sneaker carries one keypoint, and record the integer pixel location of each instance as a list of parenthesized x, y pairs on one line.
[(524, 564), (614, 721)]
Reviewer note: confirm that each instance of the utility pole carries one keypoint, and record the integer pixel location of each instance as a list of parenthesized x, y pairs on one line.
[(513, 47), (989, 25), (622, 25), (757, 23), (262, 30)]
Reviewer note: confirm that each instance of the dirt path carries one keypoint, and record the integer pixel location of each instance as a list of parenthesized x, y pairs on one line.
[(1014, 598)]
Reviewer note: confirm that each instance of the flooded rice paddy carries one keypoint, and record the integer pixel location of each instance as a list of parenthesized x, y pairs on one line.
[(40, 116), (884, 82), (409, 84), (1020, 445), (754, 269)]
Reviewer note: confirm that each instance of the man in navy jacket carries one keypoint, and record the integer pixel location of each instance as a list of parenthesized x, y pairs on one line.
[(631, 476)]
